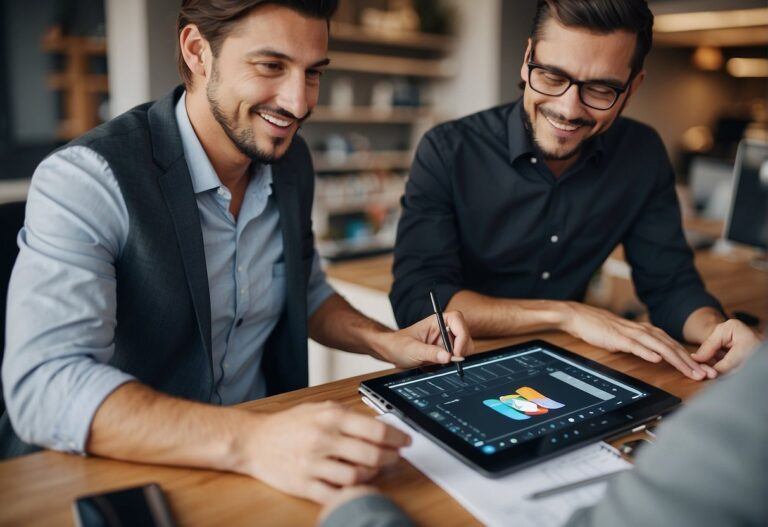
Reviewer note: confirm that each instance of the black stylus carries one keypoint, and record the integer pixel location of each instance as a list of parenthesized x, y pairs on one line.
[(444, 332)]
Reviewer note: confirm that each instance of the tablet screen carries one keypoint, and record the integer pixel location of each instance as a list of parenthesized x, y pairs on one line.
[(508, 399)]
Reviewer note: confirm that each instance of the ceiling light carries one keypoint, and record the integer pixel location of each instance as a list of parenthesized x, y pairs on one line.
[(707, 58), (747, 67)]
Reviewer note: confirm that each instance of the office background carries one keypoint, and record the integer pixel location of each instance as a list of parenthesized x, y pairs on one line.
[(399, 67)]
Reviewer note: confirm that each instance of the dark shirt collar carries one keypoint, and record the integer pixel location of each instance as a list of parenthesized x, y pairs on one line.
[(521, 144)]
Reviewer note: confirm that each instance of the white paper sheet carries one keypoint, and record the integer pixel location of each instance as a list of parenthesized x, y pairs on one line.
[(504, 501)]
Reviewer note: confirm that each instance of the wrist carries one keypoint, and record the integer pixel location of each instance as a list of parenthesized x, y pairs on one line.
[(241, 439), (377, 343), (701, 323), (563, 315)]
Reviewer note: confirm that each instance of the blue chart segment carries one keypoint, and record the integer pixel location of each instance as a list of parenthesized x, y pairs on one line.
[(505, 410)]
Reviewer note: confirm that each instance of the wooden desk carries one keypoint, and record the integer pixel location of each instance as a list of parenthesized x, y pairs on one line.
[(39, 489)]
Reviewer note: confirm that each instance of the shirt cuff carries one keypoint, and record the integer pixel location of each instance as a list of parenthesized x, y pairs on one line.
[(418, 306), (678, 314), (373, 510), (71, 431)]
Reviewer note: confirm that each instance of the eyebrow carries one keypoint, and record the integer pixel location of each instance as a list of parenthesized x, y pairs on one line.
[(272, 53), (612, 81)]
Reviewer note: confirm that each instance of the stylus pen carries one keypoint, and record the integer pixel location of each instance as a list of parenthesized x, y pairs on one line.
[(575, 485), (444, 331)]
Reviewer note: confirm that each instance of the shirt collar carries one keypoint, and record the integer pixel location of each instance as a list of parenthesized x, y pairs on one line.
[(201, 171), (520, 143)]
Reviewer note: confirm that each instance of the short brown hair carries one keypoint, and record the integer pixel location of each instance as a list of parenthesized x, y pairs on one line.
[(215, 19), (601, 16)]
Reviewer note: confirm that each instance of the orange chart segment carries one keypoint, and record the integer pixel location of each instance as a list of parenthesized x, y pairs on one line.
[(535, 397)]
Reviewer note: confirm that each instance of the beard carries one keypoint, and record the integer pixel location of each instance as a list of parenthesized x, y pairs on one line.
[(548, 154), (244, 138), (562, 156)]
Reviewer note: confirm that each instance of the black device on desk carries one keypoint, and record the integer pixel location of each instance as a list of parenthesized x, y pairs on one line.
[(518, 405), (747, 220), (145, 506)]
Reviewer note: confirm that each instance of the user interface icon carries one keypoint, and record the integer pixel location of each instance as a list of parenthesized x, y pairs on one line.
[(522, 404)]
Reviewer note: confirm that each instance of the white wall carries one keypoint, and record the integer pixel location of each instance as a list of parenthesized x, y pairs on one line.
[(141, 41), (127, 54), (477, 60)]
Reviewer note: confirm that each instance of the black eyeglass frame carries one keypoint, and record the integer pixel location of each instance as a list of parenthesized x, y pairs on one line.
[(571, 81)]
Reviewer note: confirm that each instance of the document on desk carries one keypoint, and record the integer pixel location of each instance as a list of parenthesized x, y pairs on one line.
[(505, 500)]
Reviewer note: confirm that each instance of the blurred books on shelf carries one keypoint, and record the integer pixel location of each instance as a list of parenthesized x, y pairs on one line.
[(386, 59)]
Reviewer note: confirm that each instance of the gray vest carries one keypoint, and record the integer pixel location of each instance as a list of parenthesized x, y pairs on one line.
[(163, 333)]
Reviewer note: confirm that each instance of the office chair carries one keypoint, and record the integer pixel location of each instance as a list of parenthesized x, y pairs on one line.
[(11, 221)]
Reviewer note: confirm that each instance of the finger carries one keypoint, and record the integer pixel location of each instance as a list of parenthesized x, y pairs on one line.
[(320, 492), (713, 343), (340, 473), (419, 352), (373, 431), (463, 345), (731, 361), (709, 370), (363, 453), (673, 353), (628, 345)]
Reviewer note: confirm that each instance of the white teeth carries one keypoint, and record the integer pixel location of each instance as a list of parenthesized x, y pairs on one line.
[(561, 126), (274, 120)]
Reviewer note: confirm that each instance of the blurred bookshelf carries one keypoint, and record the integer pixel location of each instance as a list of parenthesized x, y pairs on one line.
[(375, 103), (80, 80)]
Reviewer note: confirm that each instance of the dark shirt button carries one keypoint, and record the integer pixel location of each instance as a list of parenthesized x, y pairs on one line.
[(239, 322)]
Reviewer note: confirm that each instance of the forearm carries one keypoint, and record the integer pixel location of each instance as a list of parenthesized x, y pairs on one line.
[(338, 325), (137, 423), (700, 324), (498, 317)]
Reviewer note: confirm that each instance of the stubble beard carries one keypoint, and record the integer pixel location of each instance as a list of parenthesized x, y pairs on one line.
[(244, 139)]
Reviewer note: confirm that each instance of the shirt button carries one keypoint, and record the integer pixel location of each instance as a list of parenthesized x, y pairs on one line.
[(545, 275), (554, 238), (534, 160), (239, 268), (242, 291), (220, 192), (239, 322)]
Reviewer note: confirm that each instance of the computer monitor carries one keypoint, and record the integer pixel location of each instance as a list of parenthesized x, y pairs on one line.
[(747, 220)]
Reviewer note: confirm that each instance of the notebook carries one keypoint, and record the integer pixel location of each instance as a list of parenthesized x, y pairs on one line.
[(506, 500)]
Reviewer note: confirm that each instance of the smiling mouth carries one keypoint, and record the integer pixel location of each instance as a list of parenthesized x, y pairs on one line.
[(561, 126), (275, 120)]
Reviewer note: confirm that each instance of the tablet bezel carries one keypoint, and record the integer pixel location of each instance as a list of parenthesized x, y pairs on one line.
[(655, 404)]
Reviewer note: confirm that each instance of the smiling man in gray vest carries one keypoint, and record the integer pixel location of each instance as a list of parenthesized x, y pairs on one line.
[(168, 270)]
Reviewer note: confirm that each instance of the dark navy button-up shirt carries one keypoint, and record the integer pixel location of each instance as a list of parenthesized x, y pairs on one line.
[(482, 211)]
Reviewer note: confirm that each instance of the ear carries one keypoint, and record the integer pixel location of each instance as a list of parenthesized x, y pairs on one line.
[(526, 58), (195, 50)]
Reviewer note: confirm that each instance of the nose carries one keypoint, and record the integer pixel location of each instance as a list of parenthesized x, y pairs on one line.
[(293, 95), (569, 104)]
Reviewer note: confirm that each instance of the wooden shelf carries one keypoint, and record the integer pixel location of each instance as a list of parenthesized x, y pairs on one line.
[(728, 37), (344, 249), (93, 83), (342, 32), (370, 63), (57, 43), (81, 88), (360, 161), (367, 114), (388, 200)]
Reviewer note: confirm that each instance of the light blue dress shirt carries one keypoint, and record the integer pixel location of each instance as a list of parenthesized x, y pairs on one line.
[(62, 296)]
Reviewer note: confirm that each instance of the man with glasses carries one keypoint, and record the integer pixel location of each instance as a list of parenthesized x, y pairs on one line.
[(508, 213)]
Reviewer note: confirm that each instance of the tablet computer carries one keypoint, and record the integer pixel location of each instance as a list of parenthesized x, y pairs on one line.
[(518, 405)]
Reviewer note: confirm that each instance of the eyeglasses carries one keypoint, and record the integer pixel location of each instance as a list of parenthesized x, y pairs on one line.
[(595, 94)]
